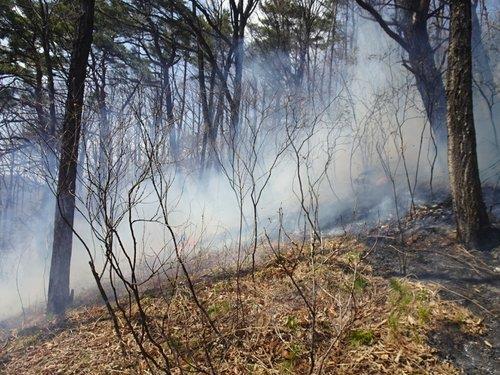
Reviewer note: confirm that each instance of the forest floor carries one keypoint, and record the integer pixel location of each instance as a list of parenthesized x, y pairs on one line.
[(385, 304)]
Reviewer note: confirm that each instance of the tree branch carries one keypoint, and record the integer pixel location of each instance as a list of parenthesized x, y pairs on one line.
[(376, 15)]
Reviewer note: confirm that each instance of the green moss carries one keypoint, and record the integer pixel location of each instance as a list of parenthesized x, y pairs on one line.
[(401, 297), (296, 349), (175, 342)]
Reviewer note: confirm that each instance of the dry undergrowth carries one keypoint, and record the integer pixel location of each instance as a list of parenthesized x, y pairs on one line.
[(364, 325)]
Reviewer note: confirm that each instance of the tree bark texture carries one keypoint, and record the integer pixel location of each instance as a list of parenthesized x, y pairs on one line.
[(470, 211), (412, 23), (58, 294)]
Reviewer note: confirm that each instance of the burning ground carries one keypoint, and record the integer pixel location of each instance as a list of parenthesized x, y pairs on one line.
[(382, 303)]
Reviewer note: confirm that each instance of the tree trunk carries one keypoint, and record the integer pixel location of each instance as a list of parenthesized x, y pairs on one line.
[(39, 99), (173, 135), (50, 73), (470, 211), (207, 125), (105, 142), (412, 22), (411, 34), (58, 295), (429, 83), (166, 64), (238, 82)]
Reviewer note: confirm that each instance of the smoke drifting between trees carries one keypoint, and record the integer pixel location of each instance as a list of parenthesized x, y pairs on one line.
[(208, 126)]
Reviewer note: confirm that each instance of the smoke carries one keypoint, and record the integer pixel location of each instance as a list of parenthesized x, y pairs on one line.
[(349, 159)]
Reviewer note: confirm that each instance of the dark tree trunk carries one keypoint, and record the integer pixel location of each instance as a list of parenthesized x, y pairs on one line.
[(412, 35), (58, 294), (206, 102), (105, 145), (166, 64), (207, 124), (239, 55), (470, 211), (49, 68), (173, 135), (429, 81), (39, 99), (412, 23)]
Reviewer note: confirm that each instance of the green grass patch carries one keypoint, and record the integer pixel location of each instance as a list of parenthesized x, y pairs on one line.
[(352, 257), (408, 303), (424, 314), (360, 284), (291, 322), (294, 352), (218, 308), (402, 293), (360, 337)]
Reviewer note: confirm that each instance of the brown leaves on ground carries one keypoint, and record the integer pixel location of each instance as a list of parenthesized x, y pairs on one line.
[(363, 325)]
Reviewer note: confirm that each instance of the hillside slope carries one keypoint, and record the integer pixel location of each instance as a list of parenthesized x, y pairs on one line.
[(347, 310)]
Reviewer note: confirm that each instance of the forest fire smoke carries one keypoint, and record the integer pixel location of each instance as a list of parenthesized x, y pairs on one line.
[(251, 186), (359, 154)]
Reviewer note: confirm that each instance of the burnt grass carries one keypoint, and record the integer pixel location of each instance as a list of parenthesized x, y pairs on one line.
[(423, 247)]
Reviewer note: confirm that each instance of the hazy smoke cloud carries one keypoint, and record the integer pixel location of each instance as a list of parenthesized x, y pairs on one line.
[(351, 155)]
